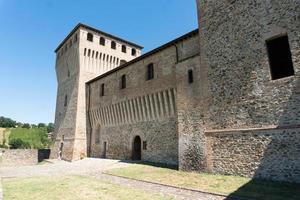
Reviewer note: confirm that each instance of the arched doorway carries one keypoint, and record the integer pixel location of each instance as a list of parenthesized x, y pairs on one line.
[(137, 148)]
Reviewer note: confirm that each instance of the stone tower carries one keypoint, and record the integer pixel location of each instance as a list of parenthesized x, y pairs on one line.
[(83, 55)]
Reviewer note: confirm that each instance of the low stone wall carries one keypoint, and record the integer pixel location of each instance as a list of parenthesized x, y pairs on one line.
[(18, 157), (272, 154)]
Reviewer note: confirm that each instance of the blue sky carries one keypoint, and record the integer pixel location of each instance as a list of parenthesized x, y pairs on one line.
[(32, 29)]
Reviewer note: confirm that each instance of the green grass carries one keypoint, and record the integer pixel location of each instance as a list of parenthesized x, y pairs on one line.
[(37, 138), (70, 188), (226, 185)]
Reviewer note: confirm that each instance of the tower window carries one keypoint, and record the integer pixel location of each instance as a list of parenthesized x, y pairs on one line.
[(102, 41), (84, 52), (150, 71), (66, 101), (89, 53), (102, 90), (124, 49), (190, 76), (90, 37), (113, 45), (123, 82), (133, 52), (280, 58)]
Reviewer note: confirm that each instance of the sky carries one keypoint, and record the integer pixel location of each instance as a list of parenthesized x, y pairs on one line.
[(32, 29)]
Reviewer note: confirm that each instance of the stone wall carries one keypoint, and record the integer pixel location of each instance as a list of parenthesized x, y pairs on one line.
[(18, 157), (261, 153), (235, 89)]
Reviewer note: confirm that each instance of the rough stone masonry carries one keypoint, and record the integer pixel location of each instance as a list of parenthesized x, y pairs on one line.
[(224, 98)]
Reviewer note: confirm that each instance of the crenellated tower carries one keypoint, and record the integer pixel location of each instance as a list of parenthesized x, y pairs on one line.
[(83, 55)]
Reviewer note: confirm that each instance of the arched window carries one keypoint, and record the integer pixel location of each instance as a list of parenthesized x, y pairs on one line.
[(102, 90), (150, 71), (133, 52), (97, 55), (93, 52), (124, 48), (84, 52), (123, 82), (89, 53), (90, 37), (102, 41), (113, 45)]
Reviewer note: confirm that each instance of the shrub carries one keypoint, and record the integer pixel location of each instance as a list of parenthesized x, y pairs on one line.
[(18, 144), (37, 138), (26, 126)]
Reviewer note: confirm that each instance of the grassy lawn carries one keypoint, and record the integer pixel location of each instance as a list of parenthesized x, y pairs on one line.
[(226, 185), (70, 188)]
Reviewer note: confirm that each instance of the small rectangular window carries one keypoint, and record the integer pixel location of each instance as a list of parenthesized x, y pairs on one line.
[(90, 37), (102, 90), (144, 145), (123, 82), (113, 45), (190, 76), (280, 58), (150, 71)]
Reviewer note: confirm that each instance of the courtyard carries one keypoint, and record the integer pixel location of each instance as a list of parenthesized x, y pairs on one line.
[(114, 179)]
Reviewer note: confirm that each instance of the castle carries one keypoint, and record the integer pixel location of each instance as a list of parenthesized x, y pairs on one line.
[(224, 98)]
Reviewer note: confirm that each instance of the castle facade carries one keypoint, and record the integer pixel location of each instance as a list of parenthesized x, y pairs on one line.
[(224, 98)]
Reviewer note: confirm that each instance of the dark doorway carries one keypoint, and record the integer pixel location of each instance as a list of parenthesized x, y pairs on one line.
[(104, 150), (136, 151), (60, 153)]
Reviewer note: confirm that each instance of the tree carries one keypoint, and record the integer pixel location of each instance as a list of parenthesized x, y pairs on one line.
[(50, 127), (41, 125), (26, 126), (7, 123), (33, 126)]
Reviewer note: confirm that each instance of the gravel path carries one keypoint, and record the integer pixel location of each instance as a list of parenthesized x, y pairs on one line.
[(95, 168), (82, 167)]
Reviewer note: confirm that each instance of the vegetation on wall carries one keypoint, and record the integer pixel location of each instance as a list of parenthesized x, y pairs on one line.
[(33, 138), (17, 135)]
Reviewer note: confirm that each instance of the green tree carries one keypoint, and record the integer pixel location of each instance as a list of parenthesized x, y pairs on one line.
[(26, 126), (41, 125), (7, 123), (50, 128)]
